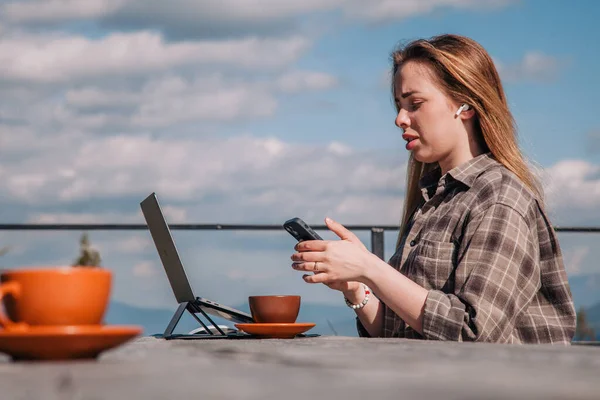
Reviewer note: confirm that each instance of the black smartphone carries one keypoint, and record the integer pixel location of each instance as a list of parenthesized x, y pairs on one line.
[(300, 230)]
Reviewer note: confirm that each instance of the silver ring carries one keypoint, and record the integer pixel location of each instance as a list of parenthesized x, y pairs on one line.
[(316, 266)]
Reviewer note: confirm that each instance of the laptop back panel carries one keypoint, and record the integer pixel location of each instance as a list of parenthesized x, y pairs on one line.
[(161, 235)]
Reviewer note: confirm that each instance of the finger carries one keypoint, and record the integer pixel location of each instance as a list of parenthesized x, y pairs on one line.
[(310, 266), (311, 245), (308, 256), (341, 231), (317, 278)]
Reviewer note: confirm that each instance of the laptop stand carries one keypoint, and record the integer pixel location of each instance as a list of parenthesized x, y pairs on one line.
[(193, 307)]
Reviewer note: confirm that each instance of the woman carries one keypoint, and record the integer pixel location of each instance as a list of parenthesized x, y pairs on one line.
[(477, 258)]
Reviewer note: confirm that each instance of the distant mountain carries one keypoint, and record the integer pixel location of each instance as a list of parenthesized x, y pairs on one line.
[(155, 320)]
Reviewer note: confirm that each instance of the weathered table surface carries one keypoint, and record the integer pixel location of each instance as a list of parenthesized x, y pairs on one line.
[(311, 368)]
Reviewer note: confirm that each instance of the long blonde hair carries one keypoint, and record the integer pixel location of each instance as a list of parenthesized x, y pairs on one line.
[(466, 73)]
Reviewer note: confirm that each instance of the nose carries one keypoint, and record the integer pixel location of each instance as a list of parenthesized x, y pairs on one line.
[(402, 120)]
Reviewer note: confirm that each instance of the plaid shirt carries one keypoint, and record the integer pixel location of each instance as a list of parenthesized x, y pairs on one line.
[(483, 247)]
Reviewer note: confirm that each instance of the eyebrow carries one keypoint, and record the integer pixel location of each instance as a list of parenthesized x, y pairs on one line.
[(406, 94)]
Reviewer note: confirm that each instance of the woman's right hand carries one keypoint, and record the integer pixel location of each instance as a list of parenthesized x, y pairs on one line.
[(352, 290)]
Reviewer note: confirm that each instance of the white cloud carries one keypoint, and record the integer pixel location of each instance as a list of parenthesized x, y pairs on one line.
[(235, 10), (339, 148), (76, 167), (135, 244), (573, 184), (79, 218), (145, 269), (183, 10), (69, 58), (174, 100), (389, 10), (297, 81), (534, 66), (381, 10), (353, 185), (191, 18), (95, 97), (58, 10), (175, 214), (161, 101), (356, 208)]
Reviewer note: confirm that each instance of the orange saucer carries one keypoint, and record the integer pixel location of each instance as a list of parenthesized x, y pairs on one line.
[(278, 331), (64, 342)]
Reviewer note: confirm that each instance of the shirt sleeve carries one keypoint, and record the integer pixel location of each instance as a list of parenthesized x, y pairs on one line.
[(502, 277), (362, 332)]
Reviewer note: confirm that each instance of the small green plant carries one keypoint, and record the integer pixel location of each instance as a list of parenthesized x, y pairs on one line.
[(88, 256)]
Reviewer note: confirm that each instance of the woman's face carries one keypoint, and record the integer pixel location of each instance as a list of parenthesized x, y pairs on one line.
[(427, 117)]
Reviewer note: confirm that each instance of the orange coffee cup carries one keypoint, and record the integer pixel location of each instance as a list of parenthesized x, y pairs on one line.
[(54, 296)]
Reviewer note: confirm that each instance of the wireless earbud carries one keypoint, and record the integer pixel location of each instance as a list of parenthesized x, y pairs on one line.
[(462, 108)]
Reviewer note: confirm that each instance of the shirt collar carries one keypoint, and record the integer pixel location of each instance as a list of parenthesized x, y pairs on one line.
[(465, 173), (469, 171)]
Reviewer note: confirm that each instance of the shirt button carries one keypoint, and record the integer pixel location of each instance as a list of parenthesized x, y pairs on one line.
[(413, 243)]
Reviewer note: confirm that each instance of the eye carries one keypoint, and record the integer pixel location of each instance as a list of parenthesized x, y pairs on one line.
[(415, 105)]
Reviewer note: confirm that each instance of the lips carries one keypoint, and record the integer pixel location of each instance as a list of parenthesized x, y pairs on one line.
[(410, 140), (408, 137)]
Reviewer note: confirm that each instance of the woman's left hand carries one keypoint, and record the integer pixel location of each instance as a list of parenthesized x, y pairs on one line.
[(333, 261)]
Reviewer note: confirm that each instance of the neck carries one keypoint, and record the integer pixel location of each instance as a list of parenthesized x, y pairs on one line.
[(461, 155)]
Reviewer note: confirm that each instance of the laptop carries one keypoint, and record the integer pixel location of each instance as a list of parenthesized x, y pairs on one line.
[(165, 245)]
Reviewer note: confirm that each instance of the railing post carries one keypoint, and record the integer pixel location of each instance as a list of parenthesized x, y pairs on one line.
[(377, 242)]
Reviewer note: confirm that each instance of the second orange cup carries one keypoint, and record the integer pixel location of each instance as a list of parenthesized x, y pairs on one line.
[(274, 308)]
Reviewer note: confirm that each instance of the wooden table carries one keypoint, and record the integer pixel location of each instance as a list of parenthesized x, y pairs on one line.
[(327, 367)]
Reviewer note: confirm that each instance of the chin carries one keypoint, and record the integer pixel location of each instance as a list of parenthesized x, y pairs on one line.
[(424, 158)]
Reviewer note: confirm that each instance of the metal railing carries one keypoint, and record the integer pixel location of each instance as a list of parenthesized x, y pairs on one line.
[(377, 232)]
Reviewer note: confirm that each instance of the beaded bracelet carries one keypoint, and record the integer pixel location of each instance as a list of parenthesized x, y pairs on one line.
[(363, 303)]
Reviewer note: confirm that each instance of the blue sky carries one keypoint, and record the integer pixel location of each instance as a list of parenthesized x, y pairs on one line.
[(257, 111), (553, 28)]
